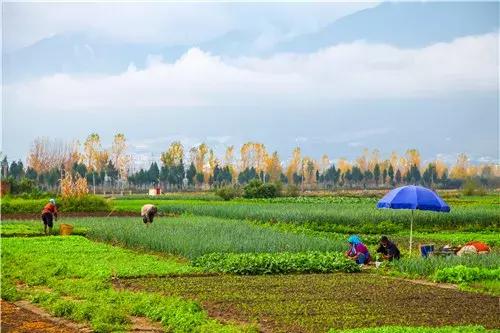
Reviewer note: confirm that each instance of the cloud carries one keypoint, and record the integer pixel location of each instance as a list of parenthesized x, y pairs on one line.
[(345, 72), (168, 23)]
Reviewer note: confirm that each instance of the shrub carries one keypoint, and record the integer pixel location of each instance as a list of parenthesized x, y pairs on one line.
[(292, 191), (228, 192), (276, 263), (472, 187), (257, 189)]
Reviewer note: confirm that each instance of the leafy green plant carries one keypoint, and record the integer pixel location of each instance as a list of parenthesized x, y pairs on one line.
[(257, 189), (461, 273), (276, 263)]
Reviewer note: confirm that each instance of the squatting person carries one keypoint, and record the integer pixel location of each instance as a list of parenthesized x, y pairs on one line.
[(357, 251), (388, 249), (148, 212), (49, 214)]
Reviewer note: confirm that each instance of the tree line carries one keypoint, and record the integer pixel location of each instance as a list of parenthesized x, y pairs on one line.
[(109, 169)]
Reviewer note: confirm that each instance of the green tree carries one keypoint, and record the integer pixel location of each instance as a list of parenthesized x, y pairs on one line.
[(376, 173)]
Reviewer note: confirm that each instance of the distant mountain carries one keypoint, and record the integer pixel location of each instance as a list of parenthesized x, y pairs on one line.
[(404, 24), (401, 24)]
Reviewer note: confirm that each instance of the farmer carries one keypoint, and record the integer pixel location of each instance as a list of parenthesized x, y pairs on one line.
[(388, 249), (357, 251), (474, 247), (148, 213), (49, 214)]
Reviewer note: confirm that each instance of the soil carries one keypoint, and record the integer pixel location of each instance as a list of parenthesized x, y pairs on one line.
[(318, 302), (22, 318)]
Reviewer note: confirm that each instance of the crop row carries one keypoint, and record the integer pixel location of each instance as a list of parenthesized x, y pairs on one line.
[(193, 236), (345, 218), (276, 263)]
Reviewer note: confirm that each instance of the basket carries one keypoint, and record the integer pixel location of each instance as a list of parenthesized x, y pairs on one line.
[(66, 229)]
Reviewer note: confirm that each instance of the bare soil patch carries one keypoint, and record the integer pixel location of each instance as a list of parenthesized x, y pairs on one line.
[(318, 302), (25, 317)]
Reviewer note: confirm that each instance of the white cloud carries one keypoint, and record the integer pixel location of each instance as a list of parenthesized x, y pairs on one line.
[(167, 22), (349, 71)]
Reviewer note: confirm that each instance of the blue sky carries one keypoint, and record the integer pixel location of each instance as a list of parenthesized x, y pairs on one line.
[(331, 77)]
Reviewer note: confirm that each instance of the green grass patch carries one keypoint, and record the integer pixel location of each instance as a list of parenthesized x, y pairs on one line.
[(71, 277), (31, 228), (88, 203)]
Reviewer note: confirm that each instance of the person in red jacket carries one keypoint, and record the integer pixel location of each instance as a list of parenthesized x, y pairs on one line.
[(49, 214)]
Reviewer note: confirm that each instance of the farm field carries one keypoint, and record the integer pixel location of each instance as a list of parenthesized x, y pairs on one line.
[(208, 265), (319, 302)]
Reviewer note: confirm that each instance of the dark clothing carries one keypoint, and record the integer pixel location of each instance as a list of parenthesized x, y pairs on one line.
[(48, 219), (150, 215), (390, 250)]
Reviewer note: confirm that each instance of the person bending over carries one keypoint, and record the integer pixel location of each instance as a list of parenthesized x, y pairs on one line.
[(49, 214), (388, 249), (357, 251), (148, 212)]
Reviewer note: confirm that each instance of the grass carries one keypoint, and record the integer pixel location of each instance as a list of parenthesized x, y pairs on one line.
[(316, 303), (71, 277), (30, 229)]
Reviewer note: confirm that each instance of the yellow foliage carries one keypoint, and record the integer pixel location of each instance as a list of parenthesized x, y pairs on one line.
[(73, 186)]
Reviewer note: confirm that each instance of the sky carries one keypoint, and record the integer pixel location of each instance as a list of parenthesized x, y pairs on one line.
[(332, 78)]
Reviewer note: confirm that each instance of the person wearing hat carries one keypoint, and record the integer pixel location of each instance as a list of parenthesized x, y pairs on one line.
[(357, 251), (148, 212), (49, 214)]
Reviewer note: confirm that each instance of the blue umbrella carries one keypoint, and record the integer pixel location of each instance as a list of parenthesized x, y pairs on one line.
[(413, 197)]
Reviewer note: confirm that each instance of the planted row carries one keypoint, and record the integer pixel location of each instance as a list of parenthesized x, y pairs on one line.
[(276, 263), (461, 274), (343, 217)]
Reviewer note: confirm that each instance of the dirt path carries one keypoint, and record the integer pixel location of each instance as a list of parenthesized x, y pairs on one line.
[(24, 317)]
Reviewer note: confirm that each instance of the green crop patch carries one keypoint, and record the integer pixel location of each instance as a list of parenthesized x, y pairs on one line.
[(344, 217), (276, 263), (193, 236), (319, 302), (72, 277)]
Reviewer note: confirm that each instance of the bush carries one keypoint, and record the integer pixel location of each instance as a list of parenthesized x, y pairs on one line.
[(292, 191), (257, 189), (276, 263), (88, 203), (472, 187), (228, 192)]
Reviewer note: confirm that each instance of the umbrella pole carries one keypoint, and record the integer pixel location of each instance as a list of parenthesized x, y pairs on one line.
[(411, 231)]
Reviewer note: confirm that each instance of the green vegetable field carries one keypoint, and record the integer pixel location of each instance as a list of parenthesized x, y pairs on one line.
[(250, 265)]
